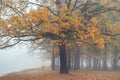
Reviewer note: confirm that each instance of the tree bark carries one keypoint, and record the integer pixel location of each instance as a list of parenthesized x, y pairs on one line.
[(53, 60), (69, 60), (77, 61), (63, 59), (115, 61)]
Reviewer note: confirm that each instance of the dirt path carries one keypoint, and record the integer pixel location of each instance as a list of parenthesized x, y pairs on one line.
[(50, 75)]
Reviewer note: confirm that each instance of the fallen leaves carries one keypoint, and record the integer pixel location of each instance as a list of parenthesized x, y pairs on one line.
[(53, 75)]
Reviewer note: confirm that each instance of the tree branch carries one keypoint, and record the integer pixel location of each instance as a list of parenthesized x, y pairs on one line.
[(50, 35), (9, 45), (111, 34), (42, 6)]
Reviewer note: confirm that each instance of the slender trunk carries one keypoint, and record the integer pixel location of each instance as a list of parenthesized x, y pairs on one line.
[(98, 64), (72, 62), (77, 61), (82, 62), (69, 60), (63, 59), (53, 60), (104, 64), (115, 61), (89, 61), (105, 58), (94, 63)]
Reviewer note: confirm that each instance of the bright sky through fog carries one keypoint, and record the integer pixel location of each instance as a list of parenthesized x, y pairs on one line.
[(17, 58)]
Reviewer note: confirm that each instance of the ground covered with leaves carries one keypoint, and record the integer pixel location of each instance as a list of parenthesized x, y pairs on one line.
[(54, 75)]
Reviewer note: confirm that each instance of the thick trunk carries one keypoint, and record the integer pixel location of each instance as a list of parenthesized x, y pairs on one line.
[(63, 59)]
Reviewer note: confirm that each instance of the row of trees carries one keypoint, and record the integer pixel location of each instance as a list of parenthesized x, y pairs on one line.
[(64, 23), (89, 58)]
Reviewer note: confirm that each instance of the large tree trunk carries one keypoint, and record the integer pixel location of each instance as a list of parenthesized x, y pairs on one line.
[(63, 59)]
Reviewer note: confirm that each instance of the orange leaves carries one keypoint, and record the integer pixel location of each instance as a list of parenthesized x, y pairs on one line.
[(55, 42), (67, 19), (63, 35), (116, 27), (100, 43), (59, 42), (69, 26), (25, 24), (94, 37), (42, 14), (84, 33), (113, 27), (36, 16), (93, 32), (94, 21), (2, 23)]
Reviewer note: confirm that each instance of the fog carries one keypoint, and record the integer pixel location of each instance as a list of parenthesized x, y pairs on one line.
[(18, 58)]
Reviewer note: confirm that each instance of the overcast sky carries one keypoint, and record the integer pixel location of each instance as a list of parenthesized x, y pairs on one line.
[(17, 58)]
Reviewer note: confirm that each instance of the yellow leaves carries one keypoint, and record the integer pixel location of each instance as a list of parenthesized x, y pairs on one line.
[(94, 37), (103, 15), (100, 43), (2, 23), (59, 42), (113, 27), (17, 25), (93, 32), (107, 37), (63, 35), (67, 25), (36, 16), (55, 42), (116, 26), (55, 29), (94, 21), (67, 19)]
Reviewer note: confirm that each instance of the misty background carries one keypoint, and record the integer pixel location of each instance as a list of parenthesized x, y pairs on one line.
[(19, 58)]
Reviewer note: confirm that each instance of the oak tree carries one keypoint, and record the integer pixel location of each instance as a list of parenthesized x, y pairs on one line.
[(63, 22)]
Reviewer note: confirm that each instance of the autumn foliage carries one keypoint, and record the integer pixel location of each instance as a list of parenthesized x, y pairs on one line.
[(68, 27)]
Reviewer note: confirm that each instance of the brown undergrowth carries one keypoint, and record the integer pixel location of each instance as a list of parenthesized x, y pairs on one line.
[(53, 75)]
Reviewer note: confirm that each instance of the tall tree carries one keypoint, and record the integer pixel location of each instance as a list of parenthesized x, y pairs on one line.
[(63, 22)]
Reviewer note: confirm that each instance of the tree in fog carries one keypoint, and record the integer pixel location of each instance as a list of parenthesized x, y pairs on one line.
[(62, 22)]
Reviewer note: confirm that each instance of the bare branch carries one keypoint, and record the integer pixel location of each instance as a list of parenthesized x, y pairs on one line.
[(42, 6), (76, 1), (116, 34), (69, 3), (15, 10), (7, 46)]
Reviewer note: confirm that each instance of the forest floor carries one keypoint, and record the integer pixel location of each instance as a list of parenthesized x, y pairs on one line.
[(36, 74)]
